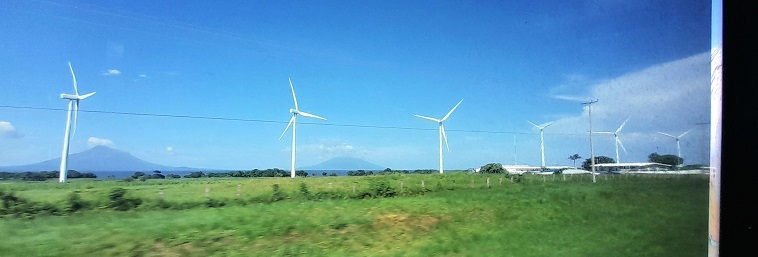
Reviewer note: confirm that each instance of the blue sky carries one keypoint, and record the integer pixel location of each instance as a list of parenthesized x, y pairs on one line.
[(366, 66)]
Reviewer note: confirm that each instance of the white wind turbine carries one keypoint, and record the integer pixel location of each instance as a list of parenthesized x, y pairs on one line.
[(442, 130), (73, 101), (616, 138), (678, 148), (292, 122), (542, 142)]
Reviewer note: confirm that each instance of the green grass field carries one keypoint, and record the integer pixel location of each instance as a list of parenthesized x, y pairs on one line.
[(538, 216)]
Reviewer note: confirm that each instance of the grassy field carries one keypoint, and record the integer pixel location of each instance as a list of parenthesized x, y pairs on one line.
[(355, 216)]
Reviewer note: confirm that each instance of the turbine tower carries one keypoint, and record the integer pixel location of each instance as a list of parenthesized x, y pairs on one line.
[(442, 130), (73, 101), (616, 138), (678, 148), (542, 142), (292, 122)]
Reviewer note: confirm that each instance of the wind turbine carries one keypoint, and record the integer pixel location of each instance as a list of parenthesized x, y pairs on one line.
[(73, 101), (442, 130), (678, 148), (542, 142), (292, 122), (616, 138)]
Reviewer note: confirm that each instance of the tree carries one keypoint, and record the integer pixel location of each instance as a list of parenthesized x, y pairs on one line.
[(492, 168), (138, 174), (574, 158), (157, 175), (668, 159), (323, 173), (598, 160), (195, 174)]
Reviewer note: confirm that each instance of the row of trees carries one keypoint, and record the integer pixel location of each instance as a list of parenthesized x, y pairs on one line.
[(668, 159), (44, 175)]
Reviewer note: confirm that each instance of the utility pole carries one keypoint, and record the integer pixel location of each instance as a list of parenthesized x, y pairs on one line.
[(592, 148)]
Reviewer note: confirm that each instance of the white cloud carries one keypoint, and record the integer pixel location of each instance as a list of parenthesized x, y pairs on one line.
[(671, 97), (112, 72), (94, 141), (330, 148), (7, 130), (142, 75), (170, 150)]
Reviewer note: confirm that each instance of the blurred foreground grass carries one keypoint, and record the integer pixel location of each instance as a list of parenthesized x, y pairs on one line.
[(539, 216)]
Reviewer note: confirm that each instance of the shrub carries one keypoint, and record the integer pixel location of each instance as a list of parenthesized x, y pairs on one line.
[(380, 188), (278, 194), (304, 191), (120, 203), (212, 203), (75, 202)]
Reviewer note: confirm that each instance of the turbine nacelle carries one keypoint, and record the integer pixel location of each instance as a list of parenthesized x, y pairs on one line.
[(76, 97)]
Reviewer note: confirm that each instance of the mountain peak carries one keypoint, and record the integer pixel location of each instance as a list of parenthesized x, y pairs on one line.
[(344, 163), (98, 158)]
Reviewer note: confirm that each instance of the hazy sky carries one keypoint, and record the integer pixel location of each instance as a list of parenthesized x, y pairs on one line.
[(366, 66)]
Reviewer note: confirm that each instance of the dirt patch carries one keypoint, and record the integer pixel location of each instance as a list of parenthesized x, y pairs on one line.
[(405, 221)]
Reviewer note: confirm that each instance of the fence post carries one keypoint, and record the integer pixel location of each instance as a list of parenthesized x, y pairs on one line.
[(501, 181), (207, 190), (239, 189), (422, 184), (161, 193), (488, 182), (472, 183)]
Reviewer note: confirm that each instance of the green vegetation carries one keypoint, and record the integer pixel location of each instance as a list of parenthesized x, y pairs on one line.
[(492, 168), (395, 214), (43, 175), (587, 164), (668, 159), (574, 158)]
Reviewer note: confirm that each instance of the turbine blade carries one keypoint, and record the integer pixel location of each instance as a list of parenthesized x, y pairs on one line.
[(76, 114), (451, 111), (548, 124), (688, 131), (76, 90), (533, 124), (622, 125), (85, 96), (666, 134), (428, 118), (288, 126), (622, 145), (444, 136), (293, 93), (602, 132), (310, 115)]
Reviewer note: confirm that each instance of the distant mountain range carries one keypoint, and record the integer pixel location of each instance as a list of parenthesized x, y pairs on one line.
[(343, 163), (96, 159)]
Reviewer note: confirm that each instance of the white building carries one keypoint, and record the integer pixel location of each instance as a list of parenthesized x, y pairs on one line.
[(632, 167)]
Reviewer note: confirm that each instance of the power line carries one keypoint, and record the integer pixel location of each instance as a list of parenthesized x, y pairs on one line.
[(265, 121)]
